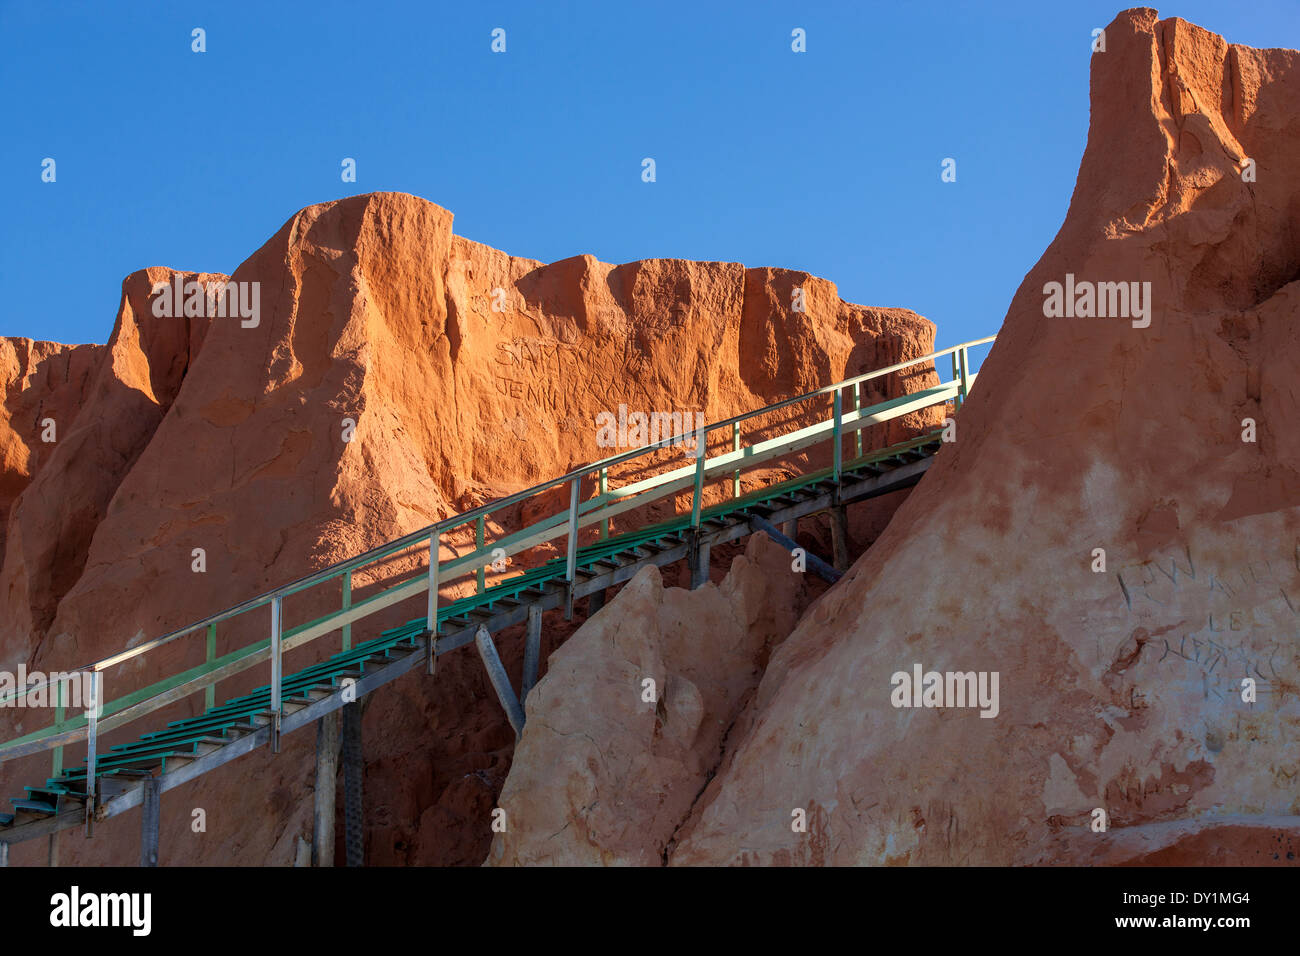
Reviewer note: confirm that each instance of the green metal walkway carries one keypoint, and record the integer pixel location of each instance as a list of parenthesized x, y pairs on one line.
[(138, 772)]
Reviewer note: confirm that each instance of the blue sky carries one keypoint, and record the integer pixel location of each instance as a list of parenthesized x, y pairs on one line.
[(827, 161)]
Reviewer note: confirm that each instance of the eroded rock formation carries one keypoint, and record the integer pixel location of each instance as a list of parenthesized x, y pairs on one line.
[(613, 791), (395, 373), (1121, 690)]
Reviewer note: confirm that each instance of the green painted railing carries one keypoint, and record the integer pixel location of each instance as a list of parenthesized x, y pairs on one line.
[(607, 503)]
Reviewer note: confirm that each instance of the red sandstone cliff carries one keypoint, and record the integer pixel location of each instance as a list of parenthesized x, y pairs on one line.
[(1120, 690), (226, 435)]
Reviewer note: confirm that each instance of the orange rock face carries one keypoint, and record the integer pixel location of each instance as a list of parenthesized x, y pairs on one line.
[(1125, 686), (393, 374), (668, 671)]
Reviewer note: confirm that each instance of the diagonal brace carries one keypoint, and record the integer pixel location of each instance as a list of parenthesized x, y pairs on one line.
[(819, 566), (500, 681)]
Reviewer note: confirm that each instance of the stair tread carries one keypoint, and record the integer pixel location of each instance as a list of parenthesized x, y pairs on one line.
[(32, 806)]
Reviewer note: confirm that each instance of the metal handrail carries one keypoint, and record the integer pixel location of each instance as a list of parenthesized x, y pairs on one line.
[(434, 531)]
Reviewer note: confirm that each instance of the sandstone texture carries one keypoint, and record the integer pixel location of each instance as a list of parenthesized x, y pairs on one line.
[(395, 374), (1120, 690), (614, 791)]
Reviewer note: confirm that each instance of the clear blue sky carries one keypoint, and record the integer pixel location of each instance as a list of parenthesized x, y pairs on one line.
[(827, 161)]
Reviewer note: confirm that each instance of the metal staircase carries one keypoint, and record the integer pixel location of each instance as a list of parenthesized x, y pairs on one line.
[(127, 775)]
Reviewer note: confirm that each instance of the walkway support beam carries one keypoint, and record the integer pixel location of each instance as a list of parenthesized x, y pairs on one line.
[(815, 564), (500, 681), (327, 772), (150, 811), (699, 564), (353, 830), (839, 537), (532, 651)]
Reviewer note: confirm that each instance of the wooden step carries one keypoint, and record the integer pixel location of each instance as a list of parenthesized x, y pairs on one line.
[(38, 807)]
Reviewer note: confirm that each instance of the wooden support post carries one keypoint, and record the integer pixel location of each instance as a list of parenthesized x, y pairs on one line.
[(815, 564), (4, 854), (354, 832), (532, 651), (699, 565), (595, 601), (500, 681), (327, 772), (149, 813), (790, 528), (839, 537), (54, 847)]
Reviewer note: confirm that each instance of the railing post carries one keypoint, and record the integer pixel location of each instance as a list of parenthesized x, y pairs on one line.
[(956, 377), (964, 388), (431, 617), (604, 487), (857, 432), (347, 603), (701, 456), (92, 741), (58, 719), (837, 403), (571, 567), (277, 607), (478, 546), (210, 692), (735, 446)]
